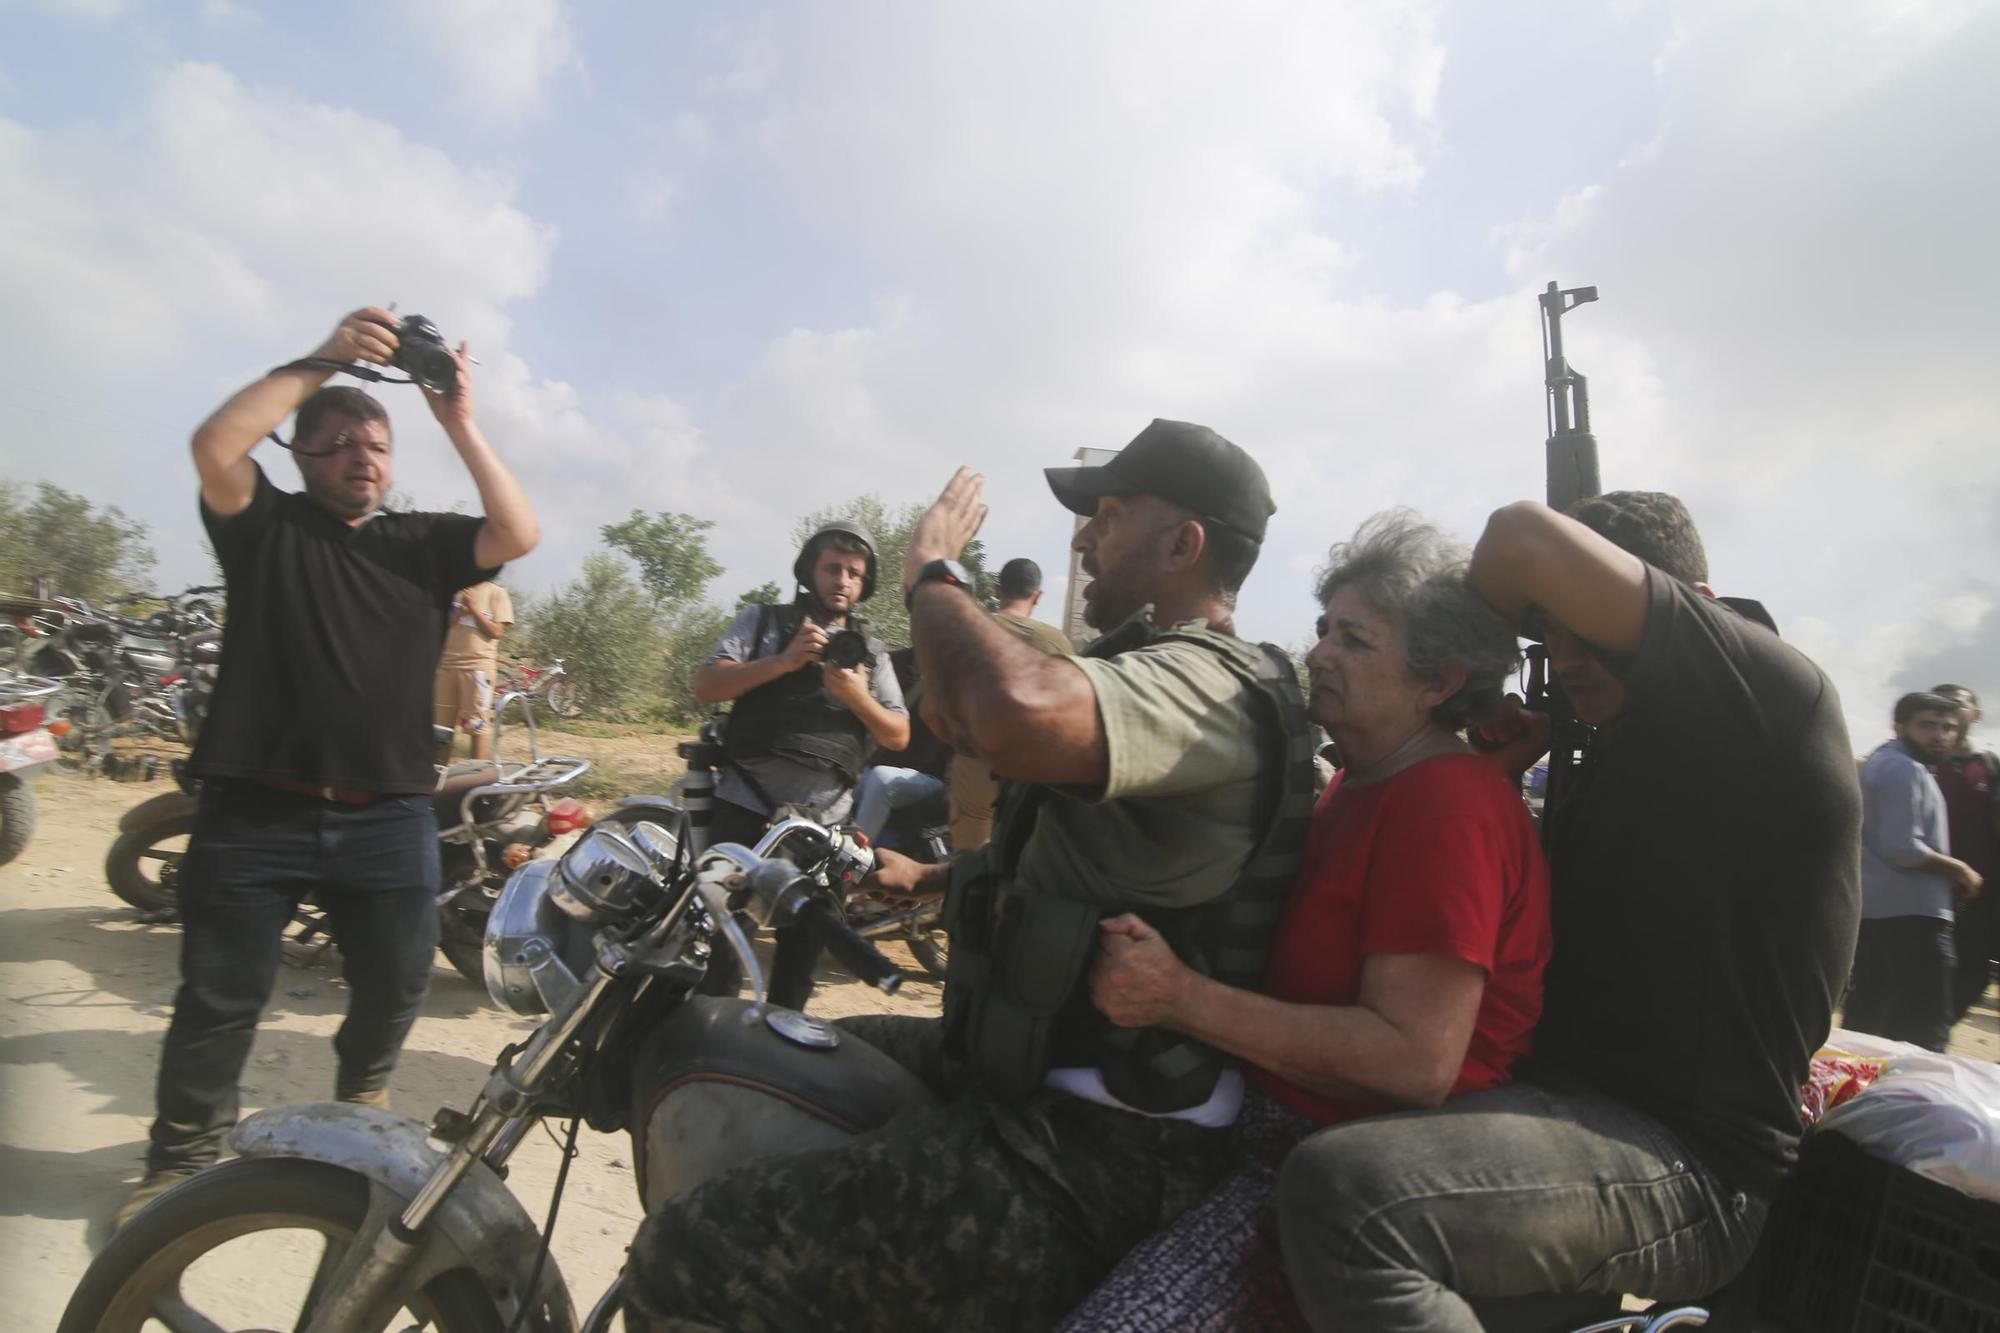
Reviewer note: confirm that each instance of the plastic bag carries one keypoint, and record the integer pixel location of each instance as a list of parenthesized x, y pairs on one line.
[(1936, 1115), (1836, 1077)]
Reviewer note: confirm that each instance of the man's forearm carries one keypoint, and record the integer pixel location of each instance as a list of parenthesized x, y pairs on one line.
[(253, 412), (886, 727), (1032, 716), (511, 530), (720, 682)]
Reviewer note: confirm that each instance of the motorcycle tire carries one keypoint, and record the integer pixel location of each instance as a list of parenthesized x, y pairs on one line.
[(462, 941), (143, 1263), (126, 864), (562, 700), (932, 950), (17, 816)]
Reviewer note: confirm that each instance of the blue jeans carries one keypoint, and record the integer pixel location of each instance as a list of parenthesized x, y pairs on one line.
[(1436, 1219), (886, 790), (254, 853)]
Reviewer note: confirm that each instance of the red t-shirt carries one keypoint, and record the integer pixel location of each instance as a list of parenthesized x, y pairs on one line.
[(1439, 859)]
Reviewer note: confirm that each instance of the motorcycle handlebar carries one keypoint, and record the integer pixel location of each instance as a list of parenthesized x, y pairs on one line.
[(852, 952)]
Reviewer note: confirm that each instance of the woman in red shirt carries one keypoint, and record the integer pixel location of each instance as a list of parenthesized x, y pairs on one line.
[(1408, 965)]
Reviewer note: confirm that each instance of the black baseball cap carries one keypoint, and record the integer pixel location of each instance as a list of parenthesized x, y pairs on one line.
[(1179, 461)]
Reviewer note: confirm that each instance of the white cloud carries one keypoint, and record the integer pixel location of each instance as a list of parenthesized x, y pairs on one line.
[(234, 225), (93, 11), (501, 54)]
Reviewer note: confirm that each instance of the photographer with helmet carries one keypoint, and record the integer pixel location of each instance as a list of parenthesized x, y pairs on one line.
[(315, 759), (814, 693)]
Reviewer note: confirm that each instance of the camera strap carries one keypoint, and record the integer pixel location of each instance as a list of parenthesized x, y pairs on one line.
[(354, 368)]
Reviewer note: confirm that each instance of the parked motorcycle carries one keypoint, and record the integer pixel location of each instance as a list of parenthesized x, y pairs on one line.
[(126, 677), (492, 816), (25, 745), (609, 943), (918, 832)]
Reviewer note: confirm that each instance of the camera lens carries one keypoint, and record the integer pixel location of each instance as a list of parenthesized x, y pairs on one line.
[(845, 649)]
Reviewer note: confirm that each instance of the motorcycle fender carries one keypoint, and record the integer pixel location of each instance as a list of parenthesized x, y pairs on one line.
[(480, 1225), (155, 809)]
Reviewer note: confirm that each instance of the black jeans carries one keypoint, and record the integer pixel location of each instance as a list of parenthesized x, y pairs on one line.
[(796, 957), (254, 853), (1903, 972)]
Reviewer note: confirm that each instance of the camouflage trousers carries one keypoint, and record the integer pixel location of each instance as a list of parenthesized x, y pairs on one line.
[(968, 1215)]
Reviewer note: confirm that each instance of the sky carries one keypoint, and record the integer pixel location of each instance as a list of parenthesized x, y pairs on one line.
[(745, 261)]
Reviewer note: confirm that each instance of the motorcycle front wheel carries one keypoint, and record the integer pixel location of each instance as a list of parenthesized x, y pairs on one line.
[(165, 1263), (143, 866)]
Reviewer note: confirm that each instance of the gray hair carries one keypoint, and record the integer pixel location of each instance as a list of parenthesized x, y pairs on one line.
[(1406, 569)]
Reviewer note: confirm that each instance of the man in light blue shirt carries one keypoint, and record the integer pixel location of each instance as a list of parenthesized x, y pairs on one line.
[(1904, 960)]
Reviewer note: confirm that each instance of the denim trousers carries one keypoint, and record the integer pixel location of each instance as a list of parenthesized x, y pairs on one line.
[(884, 790), (254, 853), (1520, 1198), (1904, 971)]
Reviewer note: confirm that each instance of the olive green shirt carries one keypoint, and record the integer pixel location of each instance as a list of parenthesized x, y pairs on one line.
[(1179, 814)]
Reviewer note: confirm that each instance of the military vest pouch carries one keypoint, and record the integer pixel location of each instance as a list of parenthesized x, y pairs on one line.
[(1043, 944)]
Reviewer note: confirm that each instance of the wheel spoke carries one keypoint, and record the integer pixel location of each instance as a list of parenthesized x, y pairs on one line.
[(329, 1263), (180, 1317), (159, 854)]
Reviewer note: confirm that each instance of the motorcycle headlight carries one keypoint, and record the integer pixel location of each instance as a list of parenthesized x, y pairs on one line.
[(602, 878), (535, 954)]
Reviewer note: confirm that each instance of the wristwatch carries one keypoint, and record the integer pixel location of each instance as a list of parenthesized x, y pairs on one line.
[(940, 571)]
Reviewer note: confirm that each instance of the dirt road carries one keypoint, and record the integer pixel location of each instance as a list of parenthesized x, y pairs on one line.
[(85, 991)]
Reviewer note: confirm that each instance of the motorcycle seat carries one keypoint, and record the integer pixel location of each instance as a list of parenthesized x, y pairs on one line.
[(459, 779)]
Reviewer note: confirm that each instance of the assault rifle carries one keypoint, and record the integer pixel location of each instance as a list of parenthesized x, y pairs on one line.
[(1572, 469)]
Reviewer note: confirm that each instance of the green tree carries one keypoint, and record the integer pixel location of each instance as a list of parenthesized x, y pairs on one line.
[(86, 551), (691, 633), (763, 593), (605, 628), (671, 551)]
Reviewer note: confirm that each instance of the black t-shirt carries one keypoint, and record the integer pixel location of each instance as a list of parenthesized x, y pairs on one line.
[(330, 654), (1705, 873)]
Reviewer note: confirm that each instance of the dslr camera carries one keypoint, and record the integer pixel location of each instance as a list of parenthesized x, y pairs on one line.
[(421, 354), (845, 648)]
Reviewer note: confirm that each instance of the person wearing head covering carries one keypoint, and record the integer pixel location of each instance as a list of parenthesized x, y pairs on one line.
[(812, 693)]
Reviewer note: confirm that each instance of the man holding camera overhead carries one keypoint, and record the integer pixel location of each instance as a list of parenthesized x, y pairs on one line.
[(814, 692), (316, 757)]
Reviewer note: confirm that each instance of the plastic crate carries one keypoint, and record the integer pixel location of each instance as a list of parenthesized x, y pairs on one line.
[(1858, 1245)]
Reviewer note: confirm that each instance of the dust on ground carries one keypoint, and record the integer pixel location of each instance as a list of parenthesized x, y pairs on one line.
[(85, 993)]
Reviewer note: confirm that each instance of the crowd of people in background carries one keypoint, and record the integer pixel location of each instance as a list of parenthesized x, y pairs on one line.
[(1931, 827)]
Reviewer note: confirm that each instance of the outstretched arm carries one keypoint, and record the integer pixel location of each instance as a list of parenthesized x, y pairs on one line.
[(1032, 717), (222, 444), (510, 530)]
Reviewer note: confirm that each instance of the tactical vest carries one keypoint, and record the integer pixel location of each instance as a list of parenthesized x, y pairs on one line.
[(1016, 1002), (793, 718)]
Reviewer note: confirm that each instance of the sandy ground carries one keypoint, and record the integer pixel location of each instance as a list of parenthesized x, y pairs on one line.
[(85, 993)]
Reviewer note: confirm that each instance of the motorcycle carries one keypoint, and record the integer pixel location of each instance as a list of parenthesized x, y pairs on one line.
[(25, 745), (128, 677), (608, 945), (550, 686), (919, 832), (492, 816)]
